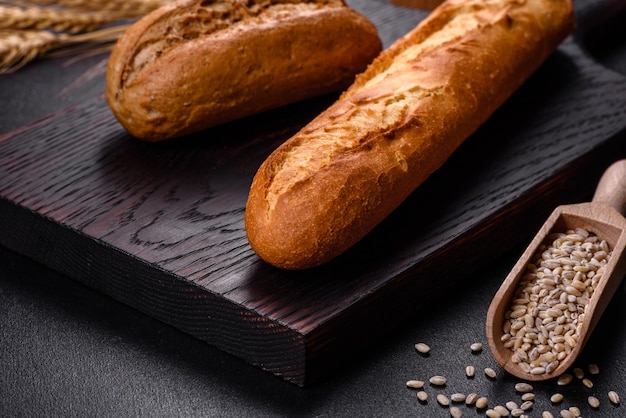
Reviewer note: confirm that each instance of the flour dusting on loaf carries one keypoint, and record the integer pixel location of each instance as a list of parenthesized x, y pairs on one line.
[(342, 174)]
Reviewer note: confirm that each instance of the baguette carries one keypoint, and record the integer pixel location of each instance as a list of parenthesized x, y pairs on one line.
[(192, 64), (331, 183)]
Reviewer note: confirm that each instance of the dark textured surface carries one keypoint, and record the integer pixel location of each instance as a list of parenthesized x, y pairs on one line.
[(160, 226), (69, 351)]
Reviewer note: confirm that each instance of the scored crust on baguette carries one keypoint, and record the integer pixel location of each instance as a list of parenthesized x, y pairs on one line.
[(194, 64), (331, 183)]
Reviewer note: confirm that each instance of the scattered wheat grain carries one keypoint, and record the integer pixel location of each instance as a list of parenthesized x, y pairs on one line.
[(527, 405), (574, 410), (556, 398), (593, 402), (565, 379), (578, 372), (471, 399), (482, 402), (476, 347), (438, 380), (422, 396), (458, 397), (523, 387), (501, 410), (511, 405), (415, 384), (455, 412), (443, 400), (422, 348)]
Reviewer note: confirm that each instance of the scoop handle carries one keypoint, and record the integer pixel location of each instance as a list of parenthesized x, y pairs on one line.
[(611, 188)]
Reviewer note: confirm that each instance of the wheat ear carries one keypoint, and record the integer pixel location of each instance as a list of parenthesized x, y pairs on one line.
[(127, 8), (49, 18), (67, 26), (19, 47)]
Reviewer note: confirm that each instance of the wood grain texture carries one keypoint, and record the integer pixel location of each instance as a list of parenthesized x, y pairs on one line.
[(160, 226)]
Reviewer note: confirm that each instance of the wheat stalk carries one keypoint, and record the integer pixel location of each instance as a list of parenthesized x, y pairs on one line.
[(55, 27), (19, 47), (94, 71), (57, 20), (127, 8)]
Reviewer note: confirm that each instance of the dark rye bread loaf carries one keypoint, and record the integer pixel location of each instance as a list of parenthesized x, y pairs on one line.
[(194, 64), (342, 174)]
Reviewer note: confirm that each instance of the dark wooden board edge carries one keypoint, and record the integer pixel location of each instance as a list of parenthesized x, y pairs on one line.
[(301, 359), (310, 362), (166, 297), (404, 299)]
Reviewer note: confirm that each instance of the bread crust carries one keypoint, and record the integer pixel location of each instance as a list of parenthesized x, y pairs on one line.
[(193, 64), (330, 184)]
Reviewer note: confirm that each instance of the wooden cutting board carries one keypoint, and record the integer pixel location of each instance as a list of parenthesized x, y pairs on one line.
[(160, 226)]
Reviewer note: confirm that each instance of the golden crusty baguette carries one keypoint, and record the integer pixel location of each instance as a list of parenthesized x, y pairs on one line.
[(331, 183), (194, 64)]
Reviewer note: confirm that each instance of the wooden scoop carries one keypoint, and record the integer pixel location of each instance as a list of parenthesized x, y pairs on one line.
[(602, 217)]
